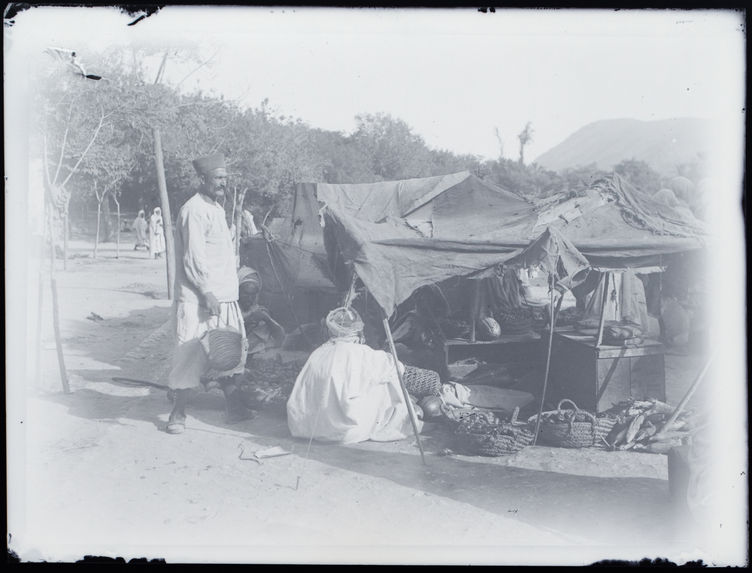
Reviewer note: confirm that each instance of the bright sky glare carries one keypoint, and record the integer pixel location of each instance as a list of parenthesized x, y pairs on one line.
[(452, 75)]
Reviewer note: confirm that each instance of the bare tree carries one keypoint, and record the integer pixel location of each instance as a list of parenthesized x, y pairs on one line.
[(57, 194), (501, 142), (525, 137)]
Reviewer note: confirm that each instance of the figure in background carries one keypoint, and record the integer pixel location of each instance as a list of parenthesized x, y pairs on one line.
[(142, 228), (262, 330), (156, 234)]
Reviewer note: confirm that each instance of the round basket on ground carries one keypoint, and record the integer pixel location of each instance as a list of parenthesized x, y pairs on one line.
[(223, 347), (572, 428), (420, 382), (482, 433)]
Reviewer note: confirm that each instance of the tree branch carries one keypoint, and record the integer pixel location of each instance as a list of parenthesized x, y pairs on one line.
[(160, 71), (198, 68), (65, 141), (91, 142), (46, 162)]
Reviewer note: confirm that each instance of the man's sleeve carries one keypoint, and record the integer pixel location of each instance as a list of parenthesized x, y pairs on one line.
[(191, 228)]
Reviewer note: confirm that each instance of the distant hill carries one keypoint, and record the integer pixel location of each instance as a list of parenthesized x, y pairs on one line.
[(661, 144)]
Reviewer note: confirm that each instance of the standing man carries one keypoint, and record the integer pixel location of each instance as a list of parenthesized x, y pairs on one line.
[(206, 291)]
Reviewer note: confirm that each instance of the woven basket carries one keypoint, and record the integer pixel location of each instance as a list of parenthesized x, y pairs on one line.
[(421, 383), (572, 428), (223, 347), (481, 433)]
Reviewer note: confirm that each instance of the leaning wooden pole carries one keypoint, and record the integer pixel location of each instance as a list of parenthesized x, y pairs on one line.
[(406, 396), (166, 216), (682, 404), (56, 314), (548, 359)]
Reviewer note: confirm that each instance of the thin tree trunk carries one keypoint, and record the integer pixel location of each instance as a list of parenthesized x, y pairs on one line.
[(96, 238), (166, 216), (106, 217), (52, 237), (117, 230), (65, 240)]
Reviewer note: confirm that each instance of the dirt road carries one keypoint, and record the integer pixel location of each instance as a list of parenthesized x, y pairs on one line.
[(103, 478)]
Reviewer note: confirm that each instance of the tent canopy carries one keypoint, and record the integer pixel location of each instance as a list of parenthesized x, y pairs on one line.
[(614, 225), (433, 206)]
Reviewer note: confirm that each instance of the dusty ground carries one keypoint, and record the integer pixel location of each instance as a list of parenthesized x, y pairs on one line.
[(103, 478)]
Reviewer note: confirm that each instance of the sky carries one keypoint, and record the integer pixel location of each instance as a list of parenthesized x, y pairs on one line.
[(453, 75)]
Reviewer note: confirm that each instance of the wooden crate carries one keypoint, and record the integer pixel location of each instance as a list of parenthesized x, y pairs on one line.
[(596, 378)]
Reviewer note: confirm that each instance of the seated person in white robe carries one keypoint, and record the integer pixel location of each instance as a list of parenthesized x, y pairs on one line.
[(347, 392)]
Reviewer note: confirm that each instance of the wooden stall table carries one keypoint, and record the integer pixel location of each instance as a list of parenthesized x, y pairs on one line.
[(508, 347), (595, 377)]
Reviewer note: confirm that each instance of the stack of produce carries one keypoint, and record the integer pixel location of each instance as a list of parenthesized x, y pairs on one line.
[(269, 382), (640, 427), (515, 321)]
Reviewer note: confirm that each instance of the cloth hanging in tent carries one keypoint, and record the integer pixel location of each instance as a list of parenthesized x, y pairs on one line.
[(625, 301)]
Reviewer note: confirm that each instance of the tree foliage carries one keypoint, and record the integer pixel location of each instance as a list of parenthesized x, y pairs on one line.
[(639, 174), (267, 153)]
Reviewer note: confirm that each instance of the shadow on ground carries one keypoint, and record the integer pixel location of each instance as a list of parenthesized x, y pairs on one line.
[(591, 510)]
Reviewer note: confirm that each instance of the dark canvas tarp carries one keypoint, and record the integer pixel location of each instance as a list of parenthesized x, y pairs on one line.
[(613, 226), (434, 206), (446, 205), (616, 225)]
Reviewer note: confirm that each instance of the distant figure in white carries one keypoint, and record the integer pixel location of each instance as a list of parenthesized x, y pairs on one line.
[(156, 234), (142, 228), (347, 392)]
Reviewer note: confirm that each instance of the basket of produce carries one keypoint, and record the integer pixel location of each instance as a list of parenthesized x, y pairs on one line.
[(572, 428), (483, 433), (641, 426), (421, 382)]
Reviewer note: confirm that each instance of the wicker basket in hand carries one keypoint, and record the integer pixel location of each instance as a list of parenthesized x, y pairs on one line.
[(481, 433), (572, 428), (421, 383), (223, 347)]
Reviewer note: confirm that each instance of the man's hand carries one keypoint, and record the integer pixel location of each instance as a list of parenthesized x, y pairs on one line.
[(211, 303)]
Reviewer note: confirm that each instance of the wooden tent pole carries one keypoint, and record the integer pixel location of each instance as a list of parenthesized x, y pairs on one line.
[(475, 303), (602, 322), (406, 396), (164, 201), (548, 358)]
